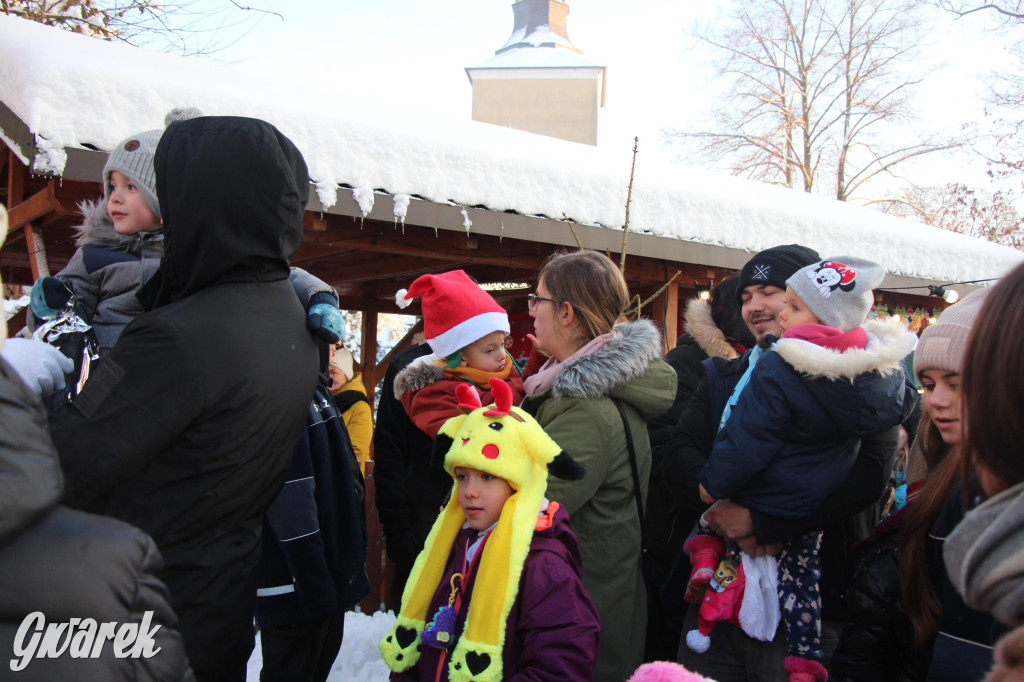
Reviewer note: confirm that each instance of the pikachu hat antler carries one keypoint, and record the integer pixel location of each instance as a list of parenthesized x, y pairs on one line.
[(504, 441)]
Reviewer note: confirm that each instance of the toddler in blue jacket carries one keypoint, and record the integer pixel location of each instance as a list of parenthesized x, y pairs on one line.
[(795, 430)]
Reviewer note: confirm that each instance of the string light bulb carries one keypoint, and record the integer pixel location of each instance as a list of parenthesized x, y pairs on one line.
[(948, 295)]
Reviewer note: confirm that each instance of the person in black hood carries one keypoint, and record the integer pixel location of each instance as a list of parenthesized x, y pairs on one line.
[(714, 328), (187, 427)]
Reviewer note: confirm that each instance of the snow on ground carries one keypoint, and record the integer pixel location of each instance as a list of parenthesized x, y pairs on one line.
[(359, 659), (48, 79)]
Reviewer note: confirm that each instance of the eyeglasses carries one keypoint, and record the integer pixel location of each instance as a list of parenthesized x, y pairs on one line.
[(534, 299)]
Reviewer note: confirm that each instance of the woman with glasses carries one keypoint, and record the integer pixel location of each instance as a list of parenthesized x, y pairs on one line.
[(597, 365)]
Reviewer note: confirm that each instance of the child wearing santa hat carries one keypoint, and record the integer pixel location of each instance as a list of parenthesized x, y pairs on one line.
[(466, 330)]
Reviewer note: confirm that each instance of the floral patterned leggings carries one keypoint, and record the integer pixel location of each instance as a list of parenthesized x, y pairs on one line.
[(799, 596)]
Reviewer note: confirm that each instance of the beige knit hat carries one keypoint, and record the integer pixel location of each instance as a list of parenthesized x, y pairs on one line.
[(942, 345)]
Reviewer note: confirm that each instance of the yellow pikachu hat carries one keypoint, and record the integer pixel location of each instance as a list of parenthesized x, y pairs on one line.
[(504, 441)]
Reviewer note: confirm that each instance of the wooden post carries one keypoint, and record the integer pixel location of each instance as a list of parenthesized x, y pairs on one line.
[(33, 237), (15, 180), (368, 352), (671, 316), (36, 252), (376, 556)]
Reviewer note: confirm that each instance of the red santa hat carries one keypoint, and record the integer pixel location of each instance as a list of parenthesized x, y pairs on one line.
[(456, 311)]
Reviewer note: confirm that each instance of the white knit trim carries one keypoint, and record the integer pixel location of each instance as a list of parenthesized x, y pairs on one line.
[(468, 331)]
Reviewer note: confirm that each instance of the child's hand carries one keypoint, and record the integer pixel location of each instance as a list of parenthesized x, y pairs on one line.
[(705, 496), (324, 319), (49, 297)]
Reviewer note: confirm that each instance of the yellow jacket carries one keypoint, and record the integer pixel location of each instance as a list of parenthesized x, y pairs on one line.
[(359, 422)]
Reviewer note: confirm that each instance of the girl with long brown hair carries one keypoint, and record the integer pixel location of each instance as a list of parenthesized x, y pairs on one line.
[(985, 553), (903, 608)]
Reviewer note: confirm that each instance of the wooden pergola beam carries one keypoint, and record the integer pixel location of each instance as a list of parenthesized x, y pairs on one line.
[(402, 266), (41, 204)]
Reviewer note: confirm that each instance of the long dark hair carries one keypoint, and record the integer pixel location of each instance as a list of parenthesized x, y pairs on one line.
[(921, 600), (993, 383)]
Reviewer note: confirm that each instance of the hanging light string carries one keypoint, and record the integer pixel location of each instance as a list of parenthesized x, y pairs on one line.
[(941, 286), (918, 319)]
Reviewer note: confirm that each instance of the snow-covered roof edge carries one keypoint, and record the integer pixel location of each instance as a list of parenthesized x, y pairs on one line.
[(58, 85)]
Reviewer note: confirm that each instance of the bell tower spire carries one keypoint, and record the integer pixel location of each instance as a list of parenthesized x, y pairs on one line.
[(539, 81), (539, 23)]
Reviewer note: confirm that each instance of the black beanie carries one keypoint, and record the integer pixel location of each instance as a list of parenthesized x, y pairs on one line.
[(774, 266)]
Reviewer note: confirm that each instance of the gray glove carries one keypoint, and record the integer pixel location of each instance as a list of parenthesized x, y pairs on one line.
[(40, 365)]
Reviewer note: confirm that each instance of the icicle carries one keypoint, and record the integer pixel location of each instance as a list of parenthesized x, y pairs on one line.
[(50, 158), (466, 222), (364, 197), (502, 235), (401, 209), (327, 192)]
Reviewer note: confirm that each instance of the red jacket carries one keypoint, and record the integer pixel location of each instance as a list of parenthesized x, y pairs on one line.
[(428, 393)]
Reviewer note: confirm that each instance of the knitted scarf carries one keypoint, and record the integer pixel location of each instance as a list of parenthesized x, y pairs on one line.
[(985, 556), (545, 377)]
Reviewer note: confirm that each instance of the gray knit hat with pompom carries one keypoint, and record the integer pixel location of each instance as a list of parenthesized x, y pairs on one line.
[(134, 157)]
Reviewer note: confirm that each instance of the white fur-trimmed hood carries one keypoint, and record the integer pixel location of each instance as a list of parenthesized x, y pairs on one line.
[(700, 325), (889, 342), (420, 373), (627, 355)]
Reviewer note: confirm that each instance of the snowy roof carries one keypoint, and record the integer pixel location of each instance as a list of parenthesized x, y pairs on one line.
[(69, 94)]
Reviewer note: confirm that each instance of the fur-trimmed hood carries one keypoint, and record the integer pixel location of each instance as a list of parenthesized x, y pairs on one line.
[(863, 390), (616, 370), (98, 230), (700, 325), (419, 374), (889, 342)]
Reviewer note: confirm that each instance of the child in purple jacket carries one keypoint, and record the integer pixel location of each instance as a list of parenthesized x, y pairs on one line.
[(498, 537)]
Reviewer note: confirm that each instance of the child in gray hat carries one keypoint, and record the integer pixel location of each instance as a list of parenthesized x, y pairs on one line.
[(120, 243), (794, 434)]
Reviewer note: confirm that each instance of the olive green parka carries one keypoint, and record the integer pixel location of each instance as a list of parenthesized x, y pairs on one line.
[(578, 412)]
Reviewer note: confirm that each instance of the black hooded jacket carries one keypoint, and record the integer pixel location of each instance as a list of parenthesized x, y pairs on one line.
[(186, 428), (69, 565)]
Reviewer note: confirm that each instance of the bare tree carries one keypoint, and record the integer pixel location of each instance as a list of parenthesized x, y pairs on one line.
[(188, 27), (816, 91), (1011, 10), (985, 214), (999, 140)]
